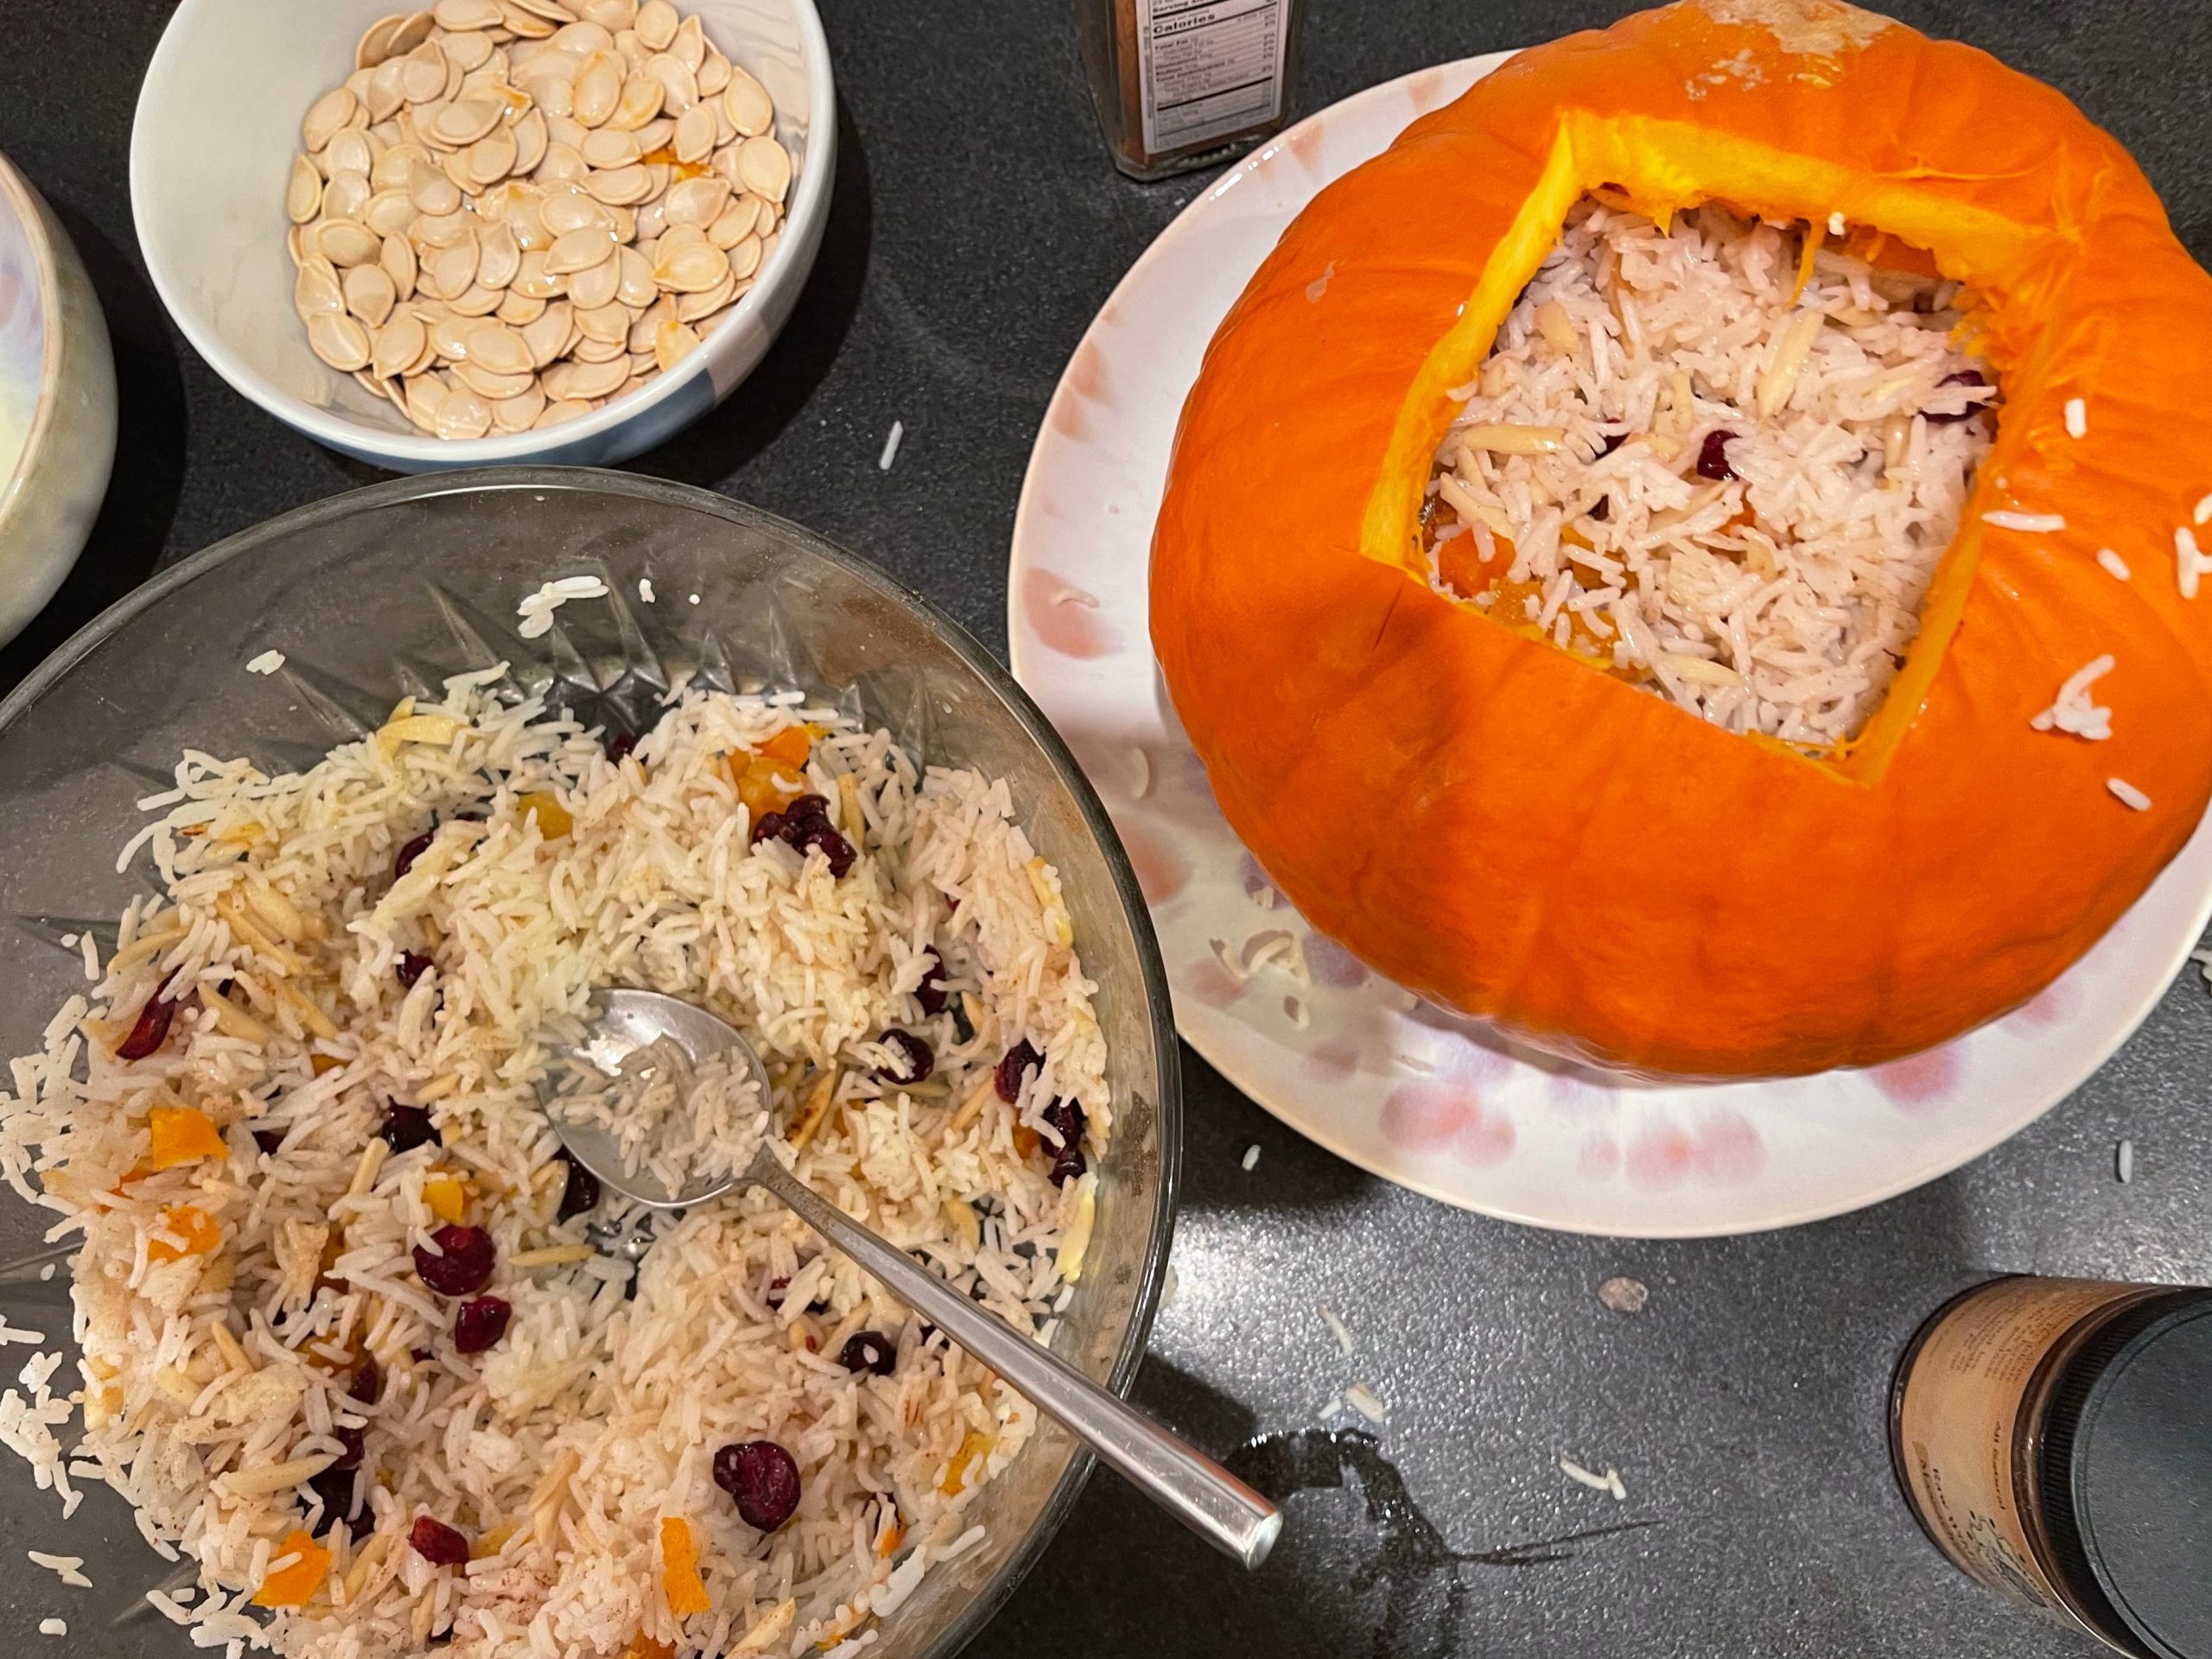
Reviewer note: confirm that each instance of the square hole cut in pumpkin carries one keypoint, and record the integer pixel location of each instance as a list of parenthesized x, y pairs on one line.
[(1721, 459)]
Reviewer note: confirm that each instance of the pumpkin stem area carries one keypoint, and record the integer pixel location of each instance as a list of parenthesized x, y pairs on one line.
[(1721, 459)]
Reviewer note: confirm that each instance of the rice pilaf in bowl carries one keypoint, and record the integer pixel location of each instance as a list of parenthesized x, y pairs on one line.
[(355, 1338)]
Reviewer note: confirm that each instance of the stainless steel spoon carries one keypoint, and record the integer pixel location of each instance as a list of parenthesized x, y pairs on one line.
[(1191, 1487)]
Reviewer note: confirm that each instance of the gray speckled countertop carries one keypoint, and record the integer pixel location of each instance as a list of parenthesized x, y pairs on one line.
[(977, 226)]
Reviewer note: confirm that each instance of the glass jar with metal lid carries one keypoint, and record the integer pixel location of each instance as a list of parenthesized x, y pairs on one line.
[(2053, 1438)]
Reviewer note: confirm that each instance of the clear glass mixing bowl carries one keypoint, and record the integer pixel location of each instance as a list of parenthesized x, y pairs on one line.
[(383, 591)]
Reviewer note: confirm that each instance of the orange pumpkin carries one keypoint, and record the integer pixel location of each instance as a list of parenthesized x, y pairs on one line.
[(1493, 824)]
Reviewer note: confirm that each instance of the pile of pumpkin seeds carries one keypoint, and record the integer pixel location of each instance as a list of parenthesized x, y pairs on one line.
[(514, 210)]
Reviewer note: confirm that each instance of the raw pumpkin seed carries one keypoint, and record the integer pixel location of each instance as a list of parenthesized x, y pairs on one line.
[(512, 211)]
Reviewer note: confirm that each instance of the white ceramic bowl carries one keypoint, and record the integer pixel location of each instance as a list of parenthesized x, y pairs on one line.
[(211, 144), (57, 403)]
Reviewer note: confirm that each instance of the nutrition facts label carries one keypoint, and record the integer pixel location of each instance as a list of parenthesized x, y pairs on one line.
[(1208, 68)]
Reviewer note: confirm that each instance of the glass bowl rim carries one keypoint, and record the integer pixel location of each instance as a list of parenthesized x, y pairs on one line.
[(19, 703)]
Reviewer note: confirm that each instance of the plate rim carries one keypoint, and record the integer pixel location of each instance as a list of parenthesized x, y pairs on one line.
[(1919, 1173)]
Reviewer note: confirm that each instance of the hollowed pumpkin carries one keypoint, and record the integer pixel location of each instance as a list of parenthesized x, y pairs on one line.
[(1496, 826)]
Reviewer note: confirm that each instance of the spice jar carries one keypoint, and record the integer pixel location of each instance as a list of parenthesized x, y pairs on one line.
[(2053, 1438), (1180, 84)]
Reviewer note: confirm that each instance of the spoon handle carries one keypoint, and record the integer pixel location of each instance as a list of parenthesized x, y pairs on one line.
[(1192, 1487)]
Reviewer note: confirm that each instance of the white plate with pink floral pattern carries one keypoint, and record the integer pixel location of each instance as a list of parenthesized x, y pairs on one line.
[(1415, 1095)]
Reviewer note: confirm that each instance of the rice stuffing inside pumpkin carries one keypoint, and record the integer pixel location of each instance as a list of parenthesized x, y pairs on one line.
[(1722, 460)]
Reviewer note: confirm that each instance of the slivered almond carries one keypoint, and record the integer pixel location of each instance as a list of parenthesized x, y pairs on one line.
[(264, 1480), (972, 1107), (1556, 327), (146, 945), (437, 729), (961, 1216), (231, 1020), (279, 912), (1501, 438), (816, 1108), (1790, 355)]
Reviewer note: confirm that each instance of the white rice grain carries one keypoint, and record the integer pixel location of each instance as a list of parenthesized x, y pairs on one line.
[(1710, 484)]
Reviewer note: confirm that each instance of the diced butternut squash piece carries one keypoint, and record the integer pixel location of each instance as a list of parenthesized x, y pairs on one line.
[(182, 1135), (791, 745), (447, 1197), (764, 785), (293, 1585), (966, 1462), (553, 819), (679, 1568), (194, 1226)]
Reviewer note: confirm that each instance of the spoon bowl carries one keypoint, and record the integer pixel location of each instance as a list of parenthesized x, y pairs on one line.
[(624, 1021), (1182, 1480)]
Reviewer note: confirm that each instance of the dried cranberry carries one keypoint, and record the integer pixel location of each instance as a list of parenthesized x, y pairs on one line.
[(917, 1060), (367, 1385), (761, 1476), (834, 848), (807, 808), (769, 826), (1712, 458), (581, 1194), (406, 1128), (775, 1297), (412, 965), (480, 1323), (1014, 1070), (620, 745), (334, 1487), (1611, 442), (1067, 1118), (1963, 378), (269, 1140), (466, 1266), (410, 851), (437, 1543), (150, 1031), (930, 992), (353, 1440), (871, 1351)]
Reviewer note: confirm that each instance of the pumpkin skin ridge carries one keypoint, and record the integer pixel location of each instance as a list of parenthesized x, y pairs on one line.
[(2019, 900)]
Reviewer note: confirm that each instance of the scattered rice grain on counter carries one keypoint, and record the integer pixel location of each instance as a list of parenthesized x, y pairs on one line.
[(1717, 462), (1336, 1328), (883, 462), (1364, 1401), (265, 1193), (1609, 1482), (1624, 1295), (68, 1568), (268, 663)]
